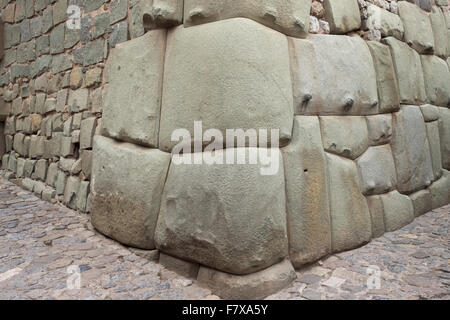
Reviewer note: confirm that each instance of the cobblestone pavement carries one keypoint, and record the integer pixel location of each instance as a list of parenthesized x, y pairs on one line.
[(40, 242)]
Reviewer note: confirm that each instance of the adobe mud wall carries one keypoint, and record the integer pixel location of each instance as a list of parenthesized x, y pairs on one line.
[(358, 90)]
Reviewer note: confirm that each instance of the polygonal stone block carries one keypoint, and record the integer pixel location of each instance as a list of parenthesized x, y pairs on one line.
[(161, 13), (408, 69), (418, 31), (421, 201), (308, 212), (440, 191), (440, 32), (430, 113), (380, 129), (232, 219), (342, 15), (398, 210), (377, 170), (345, 136), (389, 24), (350, 217), (127, 183), (376, 215), (182, 267), (131, 108), (411, 150), (389, 100), (432, 129), (437, 80), (228, 74), (333, 75), (444, 136), (287, 16), (253, 286)]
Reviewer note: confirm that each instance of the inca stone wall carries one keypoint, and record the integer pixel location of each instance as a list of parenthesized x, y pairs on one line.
[(359, 91)]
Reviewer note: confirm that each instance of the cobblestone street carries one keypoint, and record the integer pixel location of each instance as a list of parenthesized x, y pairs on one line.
[(39, 241)]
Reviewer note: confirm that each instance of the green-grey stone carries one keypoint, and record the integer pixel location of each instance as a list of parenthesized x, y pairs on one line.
[(71, 38), (101, 24), (36, 26), (118, 10), (59, 12), (25, 34), (57, 39), (119, 34), (47, 19), (43, 45), (61, 62)]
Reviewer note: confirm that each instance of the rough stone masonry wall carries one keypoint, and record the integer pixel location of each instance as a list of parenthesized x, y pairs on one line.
[(364, 125)]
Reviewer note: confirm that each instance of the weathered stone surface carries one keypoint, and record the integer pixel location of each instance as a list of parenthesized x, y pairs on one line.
[(444, 136), (288, 17), (123, 211), (52, 174), (182, 267), (411, 150), (70, 191), (82, 195), (135, 72), (342, 15), (389, 24), (36, 146), (350, 217), (377, 215), (118, 10), (57, 39), (437, 80), (345, 136), (86, 163), (253, 286), (308, 212), (386, 82), (418, 31), (408, 69), (379, 128), (377, 170), (40, 170), (87, 131), (432, 129), (233, 92), (214, 224), (161, 13), (119, 34), (429, 112), (60, 182), (398, 210), (78, 100), (333, 75), (440, 191), (59, 11), (421, 201), (440, 32)]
